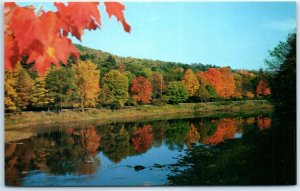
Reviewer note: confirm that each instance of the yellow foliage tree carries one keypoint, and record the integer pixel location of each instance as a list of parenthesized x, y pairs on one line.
[(88, 82), (10, 91), (190, 82)]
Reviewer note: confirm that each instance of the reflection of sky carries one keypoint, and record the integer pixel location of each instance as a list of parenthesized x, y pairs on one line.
[(238, 135), (110, 173)]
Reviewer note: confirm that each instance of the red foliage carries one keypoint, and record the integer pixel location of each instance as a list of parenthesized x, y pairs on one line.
[(142, 138), (141, 90), (43, 36), (263, 88)]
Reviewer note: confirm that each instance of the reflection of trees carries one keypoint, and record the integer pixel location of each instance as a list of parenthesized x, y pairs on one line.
[(263, 122), (142, 138), (176, 134), (18, 161), (159, 129), (75, 150), (56, 153), (115, 142), (193, 135), (225, 130), (258, 158)]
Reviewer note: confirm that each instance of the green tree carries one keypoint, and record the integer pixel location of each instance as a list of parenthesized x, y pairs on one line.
[(115, 89), (176, 92), (40, 97), (109, 64), (61, 84), (87, 76), (212, 91), (283, 84)]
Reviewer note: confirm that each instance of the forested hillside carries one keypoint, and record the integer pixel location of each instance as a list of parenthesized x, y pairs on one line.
[(100, 79)]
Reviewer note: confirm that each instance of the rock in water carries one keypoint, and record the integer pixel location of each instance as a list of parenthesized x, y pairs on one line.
[(89, 159), (138, 167)]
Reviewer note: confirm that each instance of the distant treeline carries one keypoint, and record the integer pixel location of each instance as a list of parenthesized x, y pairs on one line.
[(100, 79)]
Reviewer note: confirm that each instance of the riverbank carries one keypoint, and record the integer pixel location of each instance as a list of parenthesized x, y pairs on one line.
[(25, 119)]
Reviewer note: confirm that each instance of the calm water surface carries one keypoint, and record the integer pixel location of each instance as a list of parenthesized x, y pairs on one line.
[(144, 153)]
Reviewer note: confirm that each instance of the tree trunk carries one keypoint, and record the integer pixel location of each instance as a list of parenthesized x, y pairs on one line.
[(82, 105)]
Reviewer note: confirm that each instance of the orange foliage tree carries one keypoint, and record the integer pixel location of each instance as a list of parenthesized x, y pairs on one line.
[(141, 90), (263, 88), (228, 89), (43, 37), (190, 82), (213, 77), (222, 80)]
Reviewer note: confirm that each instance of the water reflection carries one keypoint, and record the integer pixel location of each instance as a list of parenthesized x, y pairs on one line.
[(77, 151)]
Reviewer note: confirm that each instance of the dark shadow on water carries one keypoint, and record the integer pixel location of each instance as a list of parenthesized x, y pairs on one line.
[(260, 157)]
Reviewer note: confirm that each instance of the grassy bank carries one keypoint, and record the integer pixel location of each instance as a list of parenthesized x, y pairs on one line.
[(25, 119)]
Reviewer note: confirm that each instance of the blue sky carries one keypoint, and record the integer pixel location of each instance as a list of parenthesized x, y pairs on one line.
[(237, 34)]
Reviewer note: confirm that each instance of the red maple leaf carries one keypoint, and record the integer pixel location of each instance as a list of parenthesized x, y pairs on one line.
[(75, 17), (116, 9), (11, 52)]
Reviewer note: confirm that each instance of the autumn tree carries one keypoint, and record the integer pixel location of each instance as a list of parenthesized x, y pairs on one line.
[(176, 92), (87, 76), (262, 88), (222, 80), (10, 93), (23, 87), (214, 77), (40, 97), (114, 89), (141, 90), (61, 84), (228, 87), (158, 85), (190, 82), (206, 90)]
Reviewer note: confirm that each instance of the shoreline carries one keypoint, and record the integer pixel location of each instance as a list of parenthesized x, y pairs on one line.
[(27, 124)]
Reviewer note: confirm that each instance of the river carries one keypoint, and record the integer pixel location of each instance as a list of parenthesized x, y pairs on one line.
[(129, 154)]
